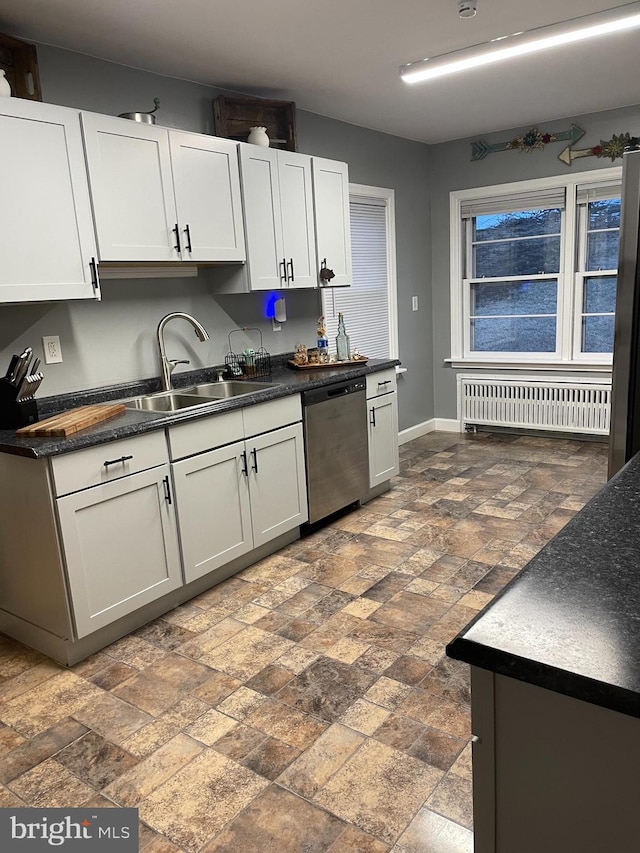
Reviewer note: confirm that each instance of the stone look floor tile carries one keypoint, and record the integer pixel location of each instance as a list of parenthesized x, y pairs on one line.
[(379, 790), (270, 758), (279, 820), (184, 717), (326, 688), (95, 761), (136, 784), (32, 752), (211, 726), (364, 716), (280, 721), (316, 765), (431, 833), (209, 779), (353, 840), (453, 799)]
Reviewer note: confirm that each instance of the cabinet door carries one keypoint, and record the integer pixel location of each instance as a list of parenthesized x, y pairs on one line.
[(383, 438), (131, 189), (206, 182), (277, 483), (45, 216), (212, 498), (121, 547), (296, 205), (262, 220), (333, 228)]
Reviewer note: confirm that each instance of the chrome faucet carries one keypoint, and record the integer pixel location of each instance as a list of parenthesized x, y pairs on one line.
[(168, 364)]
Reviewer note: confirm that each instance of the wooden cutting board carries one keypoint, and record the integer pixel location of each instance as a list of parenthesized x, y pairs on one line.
[(68, 423)]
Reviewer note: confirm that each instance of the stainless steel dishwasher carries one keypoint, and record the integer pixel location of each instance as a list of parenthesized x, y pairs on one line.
[(336, 446)]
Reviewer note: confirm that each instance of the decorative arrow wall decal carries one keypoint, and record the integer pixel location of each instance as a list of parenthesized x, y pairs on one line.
[(533, 139), (612, 148)]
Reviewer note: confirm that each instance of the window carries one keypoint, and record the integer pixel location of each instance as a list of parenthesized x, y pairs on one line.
[(369, 304), (534, 270)]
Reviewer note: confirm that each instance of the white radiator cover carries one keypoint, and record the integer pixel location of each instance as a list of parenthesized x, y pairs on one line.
[(550, 403)]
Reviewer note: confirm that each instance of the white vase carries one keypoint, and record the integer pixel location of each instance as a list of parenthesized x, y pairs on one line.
[(5, 88), (258, 136)]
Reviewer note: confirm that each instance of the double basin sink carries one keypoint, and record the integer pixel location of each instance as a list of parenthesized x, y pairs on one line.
[(196, 395)]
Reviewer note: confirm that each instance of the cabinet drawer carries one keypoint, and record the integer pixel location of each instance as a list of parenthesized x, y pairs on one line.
[(381, 383), (95, 465), (271, 415), (205, 434)]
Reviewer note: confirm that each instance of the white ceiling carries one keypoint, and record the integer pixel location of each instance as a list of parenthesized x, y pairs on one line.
[(340, 58)]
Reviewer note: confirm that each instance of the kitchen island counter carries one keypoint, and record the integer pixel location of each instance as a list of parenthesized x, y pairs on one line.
[(570, 622), (286, 381)]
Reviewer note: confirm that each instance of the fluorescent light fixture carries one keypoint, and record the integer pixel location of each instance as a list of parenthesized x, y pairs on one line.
[(520, 44)]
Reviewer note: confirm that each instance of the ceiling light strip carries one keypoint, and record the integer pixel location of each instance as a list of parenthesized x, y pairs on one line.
[(520, 44)]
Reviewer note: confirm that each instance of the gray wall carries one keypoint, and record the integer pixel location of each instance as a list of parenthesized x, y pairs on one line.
[(450, 168), (114, 340)]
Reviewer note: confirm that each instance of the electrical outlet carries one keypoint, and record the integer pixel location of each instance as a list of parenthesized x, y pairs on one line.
[(275, 326), (414, 303), (52, 350)]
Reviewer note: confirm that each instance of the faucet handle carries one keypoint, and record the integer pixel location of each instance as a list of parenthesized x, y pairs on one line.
[(174, 362), (220, 371)]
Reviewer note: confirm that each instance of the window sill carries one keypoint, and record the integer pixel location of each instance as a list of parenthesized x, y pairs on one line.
[(561, 366)]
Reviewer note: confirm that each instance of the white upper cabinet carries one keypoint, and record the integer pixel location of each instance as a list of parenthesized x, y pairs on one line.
[(45, 218), (333, 229), (296, 205), (145, 210), (206, 181), (278, 208), (131, 189)]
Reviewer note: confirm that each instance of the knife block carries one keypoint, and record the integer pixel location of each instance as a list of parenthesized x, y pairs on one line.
[(15, 413)]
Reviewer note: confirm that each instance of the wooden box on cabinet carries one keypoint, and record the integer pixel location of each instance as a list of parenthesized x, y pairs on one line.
[(20, 63), (235, 116)]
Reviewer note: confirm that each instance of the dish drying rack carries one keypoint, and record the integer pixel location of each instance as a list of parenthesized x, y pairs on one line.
[(250, 363)]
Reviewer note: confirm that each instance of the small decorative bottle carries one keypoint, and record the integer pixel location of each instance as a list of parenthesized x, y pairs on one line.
[(5, 88), (323, 342), (342, 340)]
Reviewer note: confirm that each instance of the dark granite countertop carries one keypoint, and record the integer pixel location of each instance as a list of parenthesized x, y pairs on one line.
[(286, 381), (570, 621)]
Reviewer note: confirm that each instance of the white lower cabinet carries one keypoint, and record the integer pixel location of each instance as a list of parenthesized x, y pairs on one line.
[(382, 412), (234, 498), (213, 509), (120, 546)]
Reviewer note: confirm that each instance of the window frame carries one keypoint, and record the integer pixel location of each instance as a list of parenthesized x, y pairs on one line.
[(388, 196), (569, 309)]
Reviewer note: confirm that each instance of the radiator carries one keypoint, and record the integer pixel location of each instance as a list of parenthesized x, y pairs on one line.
[(568, 405)]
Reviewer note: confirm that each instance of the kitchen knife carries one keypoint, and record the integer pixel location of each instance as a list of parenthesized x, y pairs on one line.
[(15, 359), (23, 366)]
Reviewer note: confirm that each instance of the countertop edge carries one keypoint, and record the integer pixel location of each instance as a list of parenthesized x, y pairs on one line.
[(577, 686), (141, 423)]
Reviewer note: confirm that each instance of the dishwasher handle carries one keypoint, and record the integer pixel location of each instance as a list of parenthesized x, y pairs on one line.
[(335, 389)]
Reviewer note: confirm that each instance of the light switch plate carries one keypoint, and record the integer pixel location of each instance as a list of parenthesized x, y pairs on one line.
[(414, 303)]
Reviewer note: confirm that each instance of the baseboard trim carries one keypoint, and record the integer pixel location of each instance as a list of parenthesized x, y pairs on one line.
[(432, 425)]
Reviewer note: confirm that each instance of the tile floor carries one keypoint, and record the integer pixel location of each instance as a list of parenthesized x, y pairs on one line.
[(305, 705)]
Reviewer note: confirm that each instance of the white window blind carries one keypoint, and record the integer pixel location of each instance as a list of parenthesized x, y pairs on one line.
[(513, 202), (365, 305)]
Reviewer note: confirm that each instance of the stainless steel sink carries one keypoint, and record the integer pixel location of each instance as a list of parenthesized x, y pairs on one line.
[(169, 401), (197, 395), (223, 390)]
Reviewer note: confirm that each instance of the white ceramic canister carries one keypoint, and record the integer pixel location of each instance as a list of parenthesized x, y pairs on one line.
[(258, 136), (5, 88)]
